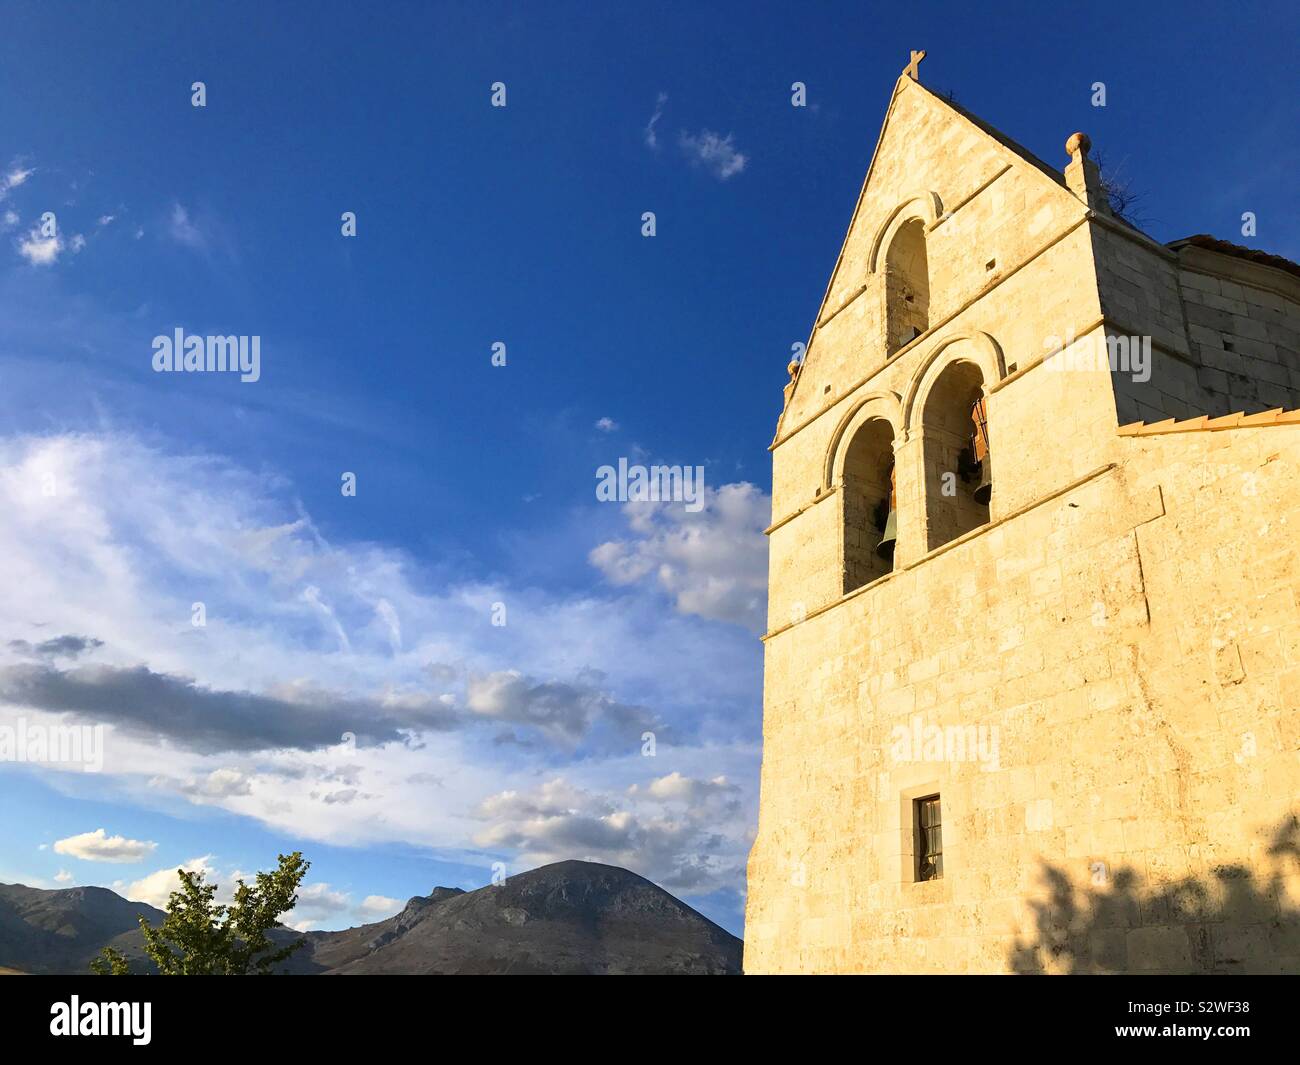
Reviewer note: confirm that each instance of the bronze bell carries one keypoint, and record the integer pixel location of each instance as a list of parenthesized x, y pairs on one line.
[(980, 446), (984, 490), (889, 538)]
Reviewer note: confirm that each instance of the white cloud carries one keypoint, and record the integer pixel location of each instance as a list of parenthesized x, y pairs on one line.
[(12, 178), (77, 243), (156, 888), (132, 535), (184, 231), (377, 907), (712, 562), (392, 624), (698, 845), (676, 788), (717, 154), (10, 218), (650, 133), (606, 425), (106, 219), (98, 846), (63, 876), (311, 594), (565, 711), (316, 903), (220, 784), (38, 249)]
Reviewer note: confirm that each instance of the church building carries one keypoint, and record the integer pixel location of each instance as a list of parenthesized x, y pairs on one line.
[(1032, 661)]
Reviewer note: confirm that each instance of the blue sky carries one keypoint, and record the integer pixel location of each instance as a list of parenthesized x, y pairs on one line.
[(475, 225)]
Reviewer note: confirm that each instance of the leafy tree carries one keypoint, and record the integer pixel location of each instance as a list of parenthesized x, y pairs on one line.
[(110, 963), (199, 937)]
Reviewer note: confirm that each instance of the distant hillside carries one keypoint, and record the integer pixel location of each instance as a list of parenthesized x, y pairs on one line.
[(567, 918), (61, 931)]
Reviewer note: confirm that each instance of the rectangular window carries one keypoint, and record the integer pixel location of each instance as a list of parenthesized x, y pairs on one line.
[(929, 838)]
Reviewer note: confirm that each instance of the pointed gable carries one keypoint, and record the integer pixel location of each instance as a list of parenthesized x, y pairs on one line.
[(962, 183)]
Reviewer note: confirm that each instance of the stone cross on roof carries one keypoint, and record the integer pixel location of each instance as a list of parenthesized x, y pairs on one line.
[(911, 69)]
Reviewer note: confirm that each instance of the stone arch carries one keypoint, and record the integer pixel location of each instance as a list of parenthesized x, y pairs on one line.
[(951, 476), (885, 405), (982, 350), (866, 501), (923, 205), (906, 287)]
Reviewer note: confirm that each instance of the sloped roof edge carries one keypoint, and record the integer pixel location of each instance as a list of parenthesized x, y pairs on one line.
[(1238, 251)]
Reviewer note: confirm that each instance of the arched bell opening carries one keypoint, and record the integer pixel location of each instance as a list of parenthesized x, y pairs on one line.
[(955, 446), (907, 286), (870, 523)]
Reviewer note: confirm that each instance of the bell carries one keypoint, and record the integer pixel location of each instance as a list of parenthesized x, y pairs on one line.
[(889, 538), (984, 490), (979, 416)]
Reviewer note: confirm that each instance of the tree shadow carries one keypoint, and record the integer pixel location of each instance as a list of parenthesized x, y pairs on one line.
[(1232, 920)]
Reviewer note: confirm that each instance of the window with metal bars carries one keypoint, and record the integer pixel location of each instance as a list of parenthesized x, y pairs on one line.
[(929, 838)]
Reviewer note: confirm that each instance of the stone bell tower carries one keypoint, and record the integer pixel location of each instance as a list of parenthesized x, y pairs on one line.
[(1065, 698)]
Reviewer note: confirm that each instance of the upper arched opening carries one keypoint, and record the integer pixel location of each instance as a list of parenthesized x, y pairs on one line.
[(907, 286)]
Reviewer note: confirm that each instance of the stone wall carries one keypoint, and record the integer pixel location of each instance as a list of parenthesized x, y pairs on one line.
[(1133, 646), (1225, 332), (1243, 321)]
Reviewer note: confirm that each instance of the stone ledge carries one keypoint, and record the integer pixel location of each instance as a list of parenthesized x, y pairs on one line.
[(1239, 420)]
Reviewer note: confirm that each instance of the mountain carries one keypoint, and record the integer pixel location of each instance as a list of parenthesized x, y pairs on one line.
[(568, 918), (61, 931)]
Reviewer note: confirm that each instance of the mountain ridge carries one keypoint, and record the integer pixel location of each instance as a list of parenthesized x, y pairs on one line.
[(569, 917)]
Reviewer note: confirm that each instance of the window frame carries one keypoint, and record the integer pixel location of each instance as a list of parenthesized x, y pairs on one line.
[(922, 805)]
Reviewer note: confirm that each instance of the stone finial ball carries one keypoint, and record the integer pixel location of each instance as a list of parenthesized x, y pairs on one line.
[(1078, 142), (793, 368)]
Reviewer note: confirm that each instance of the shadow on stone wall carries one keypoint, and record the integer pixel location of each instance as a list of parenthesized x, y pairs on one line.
[(1229, 921)]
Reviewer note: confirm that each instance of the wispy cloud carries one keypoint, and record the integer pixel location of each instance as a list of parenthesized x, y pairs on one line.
[(183, 230), (708, 150), (713, 152), (606, 425), (16, 175), (248, 714), (651, 134)]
